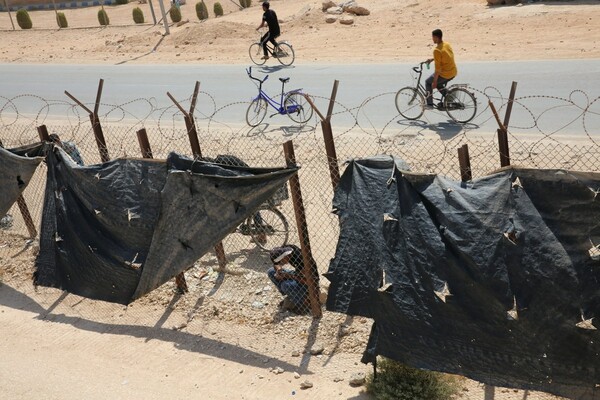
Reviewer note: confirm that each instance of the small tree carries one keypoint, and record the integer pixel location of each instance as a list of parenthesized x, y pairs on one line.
[(23, 19), (246, 3), (175, 14), (61, 20), (218, 9), (201, 10), (138, 15), (121, 2), (103, 17), (396, 381)]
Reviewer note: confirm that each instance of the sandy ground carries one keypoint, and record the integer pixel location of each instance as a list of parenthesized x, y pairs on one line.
[(210, 344), (396, 30)]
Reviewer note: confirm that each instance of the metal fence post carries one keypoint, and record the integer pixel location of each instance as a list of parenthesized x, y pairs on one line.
[(309, 267), (332, 161), (197, 151), (95, 120)]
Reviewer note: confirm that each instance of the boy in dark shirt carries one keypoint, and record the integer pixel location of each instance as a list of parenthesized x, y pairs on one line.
[(270, 19)]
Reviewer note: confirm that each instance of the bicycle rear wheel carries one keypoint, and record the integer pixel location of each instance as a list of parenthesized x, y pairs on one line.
[(285, 54), (256, 53), (256, 112), (271, 230), (298, 108), (460, 105), (410, 103)]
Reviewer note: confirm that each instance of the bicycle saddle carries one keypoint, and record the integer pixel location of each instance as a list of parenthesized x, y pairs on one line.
[(284, 80)]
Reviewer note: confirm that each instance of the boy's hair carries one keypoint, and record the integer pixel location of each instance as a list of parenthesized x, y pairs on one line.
[(266, 4), (437, 33)]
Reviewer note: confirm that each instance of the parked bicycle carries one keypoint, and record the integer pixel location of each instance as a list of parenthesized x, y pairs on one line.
[(268, 227), (284, 52), (458, 102), (292, 103)]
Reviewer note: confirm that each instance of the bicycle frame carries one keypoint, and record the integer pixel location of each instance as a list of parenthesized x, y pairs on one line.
[(278, 106), (422, 88)]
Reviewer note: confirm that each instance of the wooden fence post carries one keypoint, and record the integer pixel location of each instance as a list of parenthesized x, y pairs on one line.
[(197, 151), (95, 120), (147, 153), (332, 161), (309, 267), (503, 147), (465, 163)]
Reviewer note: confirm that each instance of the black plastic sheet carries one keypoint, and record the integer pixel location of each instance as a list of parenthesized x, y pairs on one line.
[(496, 279), (17, 166), (117, 230)]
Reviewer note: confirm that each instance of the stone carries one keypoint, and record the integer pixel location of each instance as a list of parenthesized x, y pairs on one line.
[(349, 3), (331, 20), (357, 379), (278, 370), (295, 353), (258, 305), (328, 4), (335, 10), (357, 10), (296, 375), (317, 349), (347, 21), (338, 379), (306, 385)]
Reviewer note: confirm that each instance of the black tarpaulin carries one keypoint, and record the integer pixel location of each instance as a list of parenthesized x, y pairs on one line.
[(497, 279), (17, 166), (117, 230)]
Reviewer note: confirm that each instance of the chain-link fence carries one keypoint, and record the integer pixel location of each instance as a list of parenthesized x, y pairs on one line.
[(247, 290)]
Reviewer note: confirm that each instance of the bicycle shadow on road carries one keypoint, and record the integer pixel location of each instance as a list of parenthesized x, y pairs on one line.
[(273, 68), (445, 129), (286, 131)]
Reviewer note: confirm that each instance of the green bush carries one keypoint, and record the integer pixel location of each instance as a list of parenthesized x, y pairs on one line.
[(103, 17), (396, 381), (218, 9), (138, 15), (175, 14), (245, 3), (61, 20), (201, 10), (23, 19), (121, 2)]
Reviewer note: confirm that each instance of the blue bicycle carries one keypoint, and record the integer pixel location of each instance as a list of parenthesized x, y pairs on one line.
[(293, 104)]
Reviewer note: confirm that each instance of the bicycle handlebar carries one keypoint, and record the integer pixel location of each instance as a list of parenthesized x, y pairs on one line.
[(249, 72)]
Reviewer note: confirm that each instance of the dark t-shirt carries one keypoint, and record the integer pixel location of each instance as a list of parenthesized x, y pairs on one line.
[(271, 19)]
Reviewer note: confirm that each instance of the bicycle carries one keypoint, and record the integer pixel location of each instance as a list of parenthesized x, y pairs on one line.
[(268, 227), (456, 100), (284, 52), (292, 103)]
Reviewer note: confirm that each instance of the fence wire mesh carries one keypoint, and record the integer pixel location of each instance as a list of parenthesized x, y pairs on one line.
[(241, 292)]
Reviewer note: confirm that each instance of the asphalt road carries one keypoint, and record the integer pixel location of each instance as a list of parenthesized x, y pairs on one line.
[(359, 82)]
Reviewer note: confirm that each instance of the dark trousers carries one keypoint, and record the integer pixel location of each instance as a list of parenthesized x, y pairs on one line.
[(268, 37), (441, 83)]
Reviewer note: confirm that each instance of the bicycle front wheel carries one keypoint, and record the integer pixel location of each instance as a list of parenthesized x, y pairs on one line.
[(460, 105), (256, 112), (256, 53), (410, 103), (269, 228), (298, 108), (285, 54)]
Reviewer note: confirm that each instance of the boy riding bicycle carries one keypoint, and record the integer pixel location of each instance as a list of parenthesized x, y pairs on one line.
[(270, 19), (445, 67)]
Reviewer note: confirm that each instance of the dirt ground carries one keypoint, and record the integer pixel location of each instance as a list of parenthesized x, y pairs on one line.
[(395, 30), (217, 342)]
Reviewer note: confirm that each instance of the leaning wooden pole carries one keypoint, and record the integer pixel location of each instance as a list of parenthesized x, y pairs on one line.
[(190, 125), (310, 269), (465, 163), (147, 153)]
